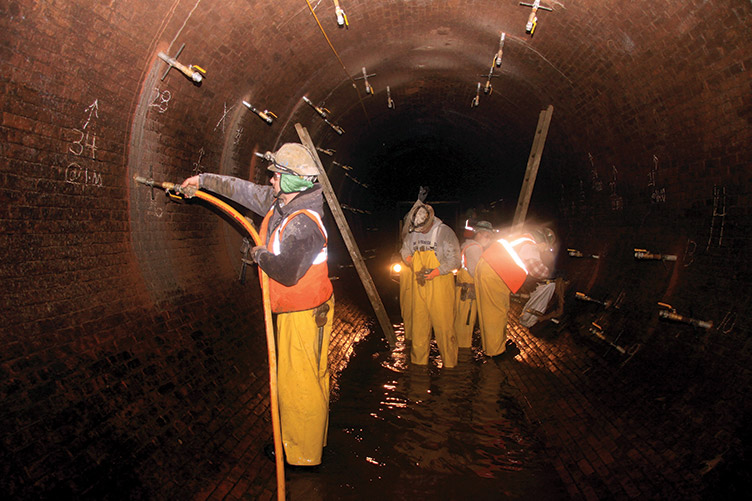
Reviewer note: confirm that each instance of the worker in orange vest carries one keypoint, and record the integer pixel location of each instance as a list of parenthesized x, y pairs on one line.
[(501, 271), (294, 256)]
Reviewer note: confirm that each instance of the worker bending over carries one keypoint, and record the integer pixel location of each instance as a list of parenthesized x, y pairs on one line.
[(431, 249), (465, 304), (502, 269), (294, 256)]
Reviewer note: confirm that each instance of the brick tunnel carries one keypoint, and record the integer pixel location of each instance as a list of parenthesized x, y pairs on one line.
[(133, 361)]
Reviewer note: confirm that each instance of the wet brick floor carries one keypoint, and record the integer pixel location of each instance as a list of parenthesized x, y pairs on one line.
[(598, 431)]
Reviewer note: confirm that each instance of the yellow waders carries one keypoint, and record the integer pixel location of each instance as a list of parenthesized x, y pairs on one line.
[(493, 308), (303, 384), (465, 312), (407, 281), (433, 305)]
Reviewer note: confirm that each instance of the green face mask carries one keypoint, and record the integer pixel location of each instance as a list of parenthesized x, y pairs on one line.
[(289, 183)]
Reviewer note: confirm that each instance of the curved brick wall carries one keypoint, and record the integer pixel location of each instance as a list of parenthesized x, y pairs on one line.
[(126, 337)]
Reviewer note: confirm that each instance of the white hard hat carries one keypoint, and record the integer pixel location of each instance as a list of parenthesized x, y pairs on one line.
[(293, 158)]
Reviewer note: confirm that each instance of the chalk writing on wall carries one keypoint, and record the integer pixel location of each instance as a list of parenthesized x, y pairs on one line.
[(160, 100), (718, 219), (224, 117), (597, 183), (728, 322), (154, 209), (689, 253), (84, 146), (75, 174), (93, 110), (657, 195), (86, 138), (617, 203), (197, 167)]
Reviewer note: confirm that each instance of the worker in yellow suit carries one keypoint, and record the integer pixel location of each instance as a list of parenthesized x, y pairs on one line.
[(407, 278), (465, 303), (294, 256), (432, 250), (501, 271)]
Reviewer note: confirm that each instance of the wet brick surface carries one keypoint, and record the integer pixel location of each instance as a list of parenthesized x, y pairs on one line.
[(604, 442)]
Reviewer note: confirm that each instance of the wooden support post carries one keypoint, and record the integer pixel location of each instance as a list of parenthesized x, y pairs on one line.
[(533, 162), (352, 246)]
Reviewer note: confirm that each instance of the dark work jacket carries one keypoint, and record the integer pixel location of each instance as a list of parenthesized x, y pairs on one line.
[(303, 239)]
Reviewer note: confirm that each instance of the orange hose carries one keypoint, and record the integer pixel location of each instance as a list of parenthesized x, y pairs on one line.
[(270, 342)]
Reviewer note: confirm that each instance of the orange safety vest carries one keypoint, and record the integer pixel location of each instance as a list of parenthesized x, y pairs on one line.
[(313, 288), (462, 254), (503, 258)]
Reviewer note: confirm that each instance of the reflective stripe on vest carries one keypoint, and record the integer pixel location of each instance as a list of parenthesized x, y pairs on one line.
[(510, 247), (314, 287), (462, 255), (275, 247), (502, 256)]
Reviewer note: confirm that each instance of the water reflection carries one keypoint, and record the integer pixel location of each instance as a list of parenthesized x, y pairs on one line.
[(419, 432)]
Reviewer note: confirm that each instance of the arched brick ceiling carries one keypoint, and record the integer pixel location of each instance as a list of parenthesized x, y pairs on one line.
[(625, 78)]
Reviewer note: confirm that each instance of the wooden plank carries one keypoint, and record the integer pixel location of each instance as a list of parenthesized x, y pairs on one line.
[(352, 246), (533, 162)]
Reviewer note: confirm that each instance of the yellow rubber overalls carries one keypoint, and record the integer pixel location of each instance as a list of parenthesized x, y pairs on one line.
[(465, 310), (493, 308), (303, 382), (406, 299), (433, 306)]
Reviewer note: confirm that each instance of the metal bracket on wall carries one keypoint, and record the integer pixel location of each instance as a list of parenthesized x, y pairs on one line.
[(266, 115), (718, 220), (369, 89), (645, 255), (341, 16), (500, 53), (193, 72), (476, 100), (324, 114), (584, 297), (669, 313), (488, 88), (532, 20), (576, 253)]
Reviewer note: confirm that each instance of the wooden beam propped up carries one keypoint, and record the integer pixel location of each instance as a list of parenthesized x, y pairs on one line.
[(352, 246), (533, 162)]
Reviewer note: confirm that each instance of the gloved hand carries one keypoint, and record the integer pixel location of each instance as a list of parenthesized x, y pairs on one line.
[(426, 274), (255, 251), (430, 275), (246, 251), (191, 181)]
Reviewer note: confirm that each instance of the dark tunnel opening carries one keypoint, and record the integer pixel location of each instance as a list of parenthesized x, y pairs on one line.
[(131, 360)]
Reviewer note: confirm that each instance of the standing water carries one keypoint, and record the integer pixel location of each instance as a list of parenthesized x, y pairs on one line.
[(399, 431)]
